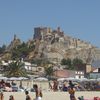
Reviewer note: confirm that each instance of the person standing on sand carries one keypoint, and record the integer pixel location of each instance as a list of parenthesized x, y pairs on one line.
[(71, 91), (38, 92), (50, 86), (1, 96), (11, 97), (27, 95), (55, 85)]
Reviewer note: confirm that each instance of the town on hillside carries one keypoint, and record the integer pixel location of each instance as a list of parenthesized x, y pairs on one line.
[(52, 53)]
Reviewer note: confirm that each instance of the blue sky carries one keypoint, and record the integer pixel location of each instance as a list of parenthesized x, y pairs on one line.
[(77, 18)]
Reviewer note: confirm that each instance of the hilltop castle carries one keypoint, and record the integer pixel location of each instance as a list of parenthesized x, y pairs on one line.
[(54, 45)]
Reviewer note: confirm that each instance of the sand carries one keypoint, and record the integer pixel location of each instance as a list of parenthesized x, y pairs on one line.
[(52, 95), (48, 95)]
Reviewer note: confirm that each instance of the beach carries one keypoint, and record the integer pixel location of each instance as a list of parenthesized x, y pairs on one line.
[(52, 95), (47, 93)]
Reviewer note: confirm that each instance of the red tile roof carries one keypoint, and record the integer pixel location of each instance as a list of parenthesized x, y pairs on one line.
[(64, 73)]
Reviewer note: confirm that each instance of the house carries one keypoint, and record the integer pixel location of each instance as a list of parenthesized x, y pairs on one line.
[(95, 73), (28, 66), (68, 73), (64, 73), (79, 74)]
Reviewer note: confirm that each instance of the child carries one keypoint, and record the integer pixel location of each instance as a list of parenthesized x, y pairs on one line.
[(11, 97), (27, 95)]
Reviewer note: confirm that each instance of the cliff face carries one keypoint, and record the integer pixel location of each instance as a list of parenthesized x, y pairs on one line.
[(7, 53), (14, 43), (54, 45)]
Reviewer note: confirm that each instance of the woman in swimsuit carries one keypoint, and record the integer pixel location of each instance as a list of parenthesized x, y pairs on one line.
[(38, 92)]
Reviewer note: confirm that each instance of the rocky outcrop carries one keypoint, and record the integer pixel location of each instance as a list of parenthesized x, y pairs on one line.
[(54, 45), (14, 43)]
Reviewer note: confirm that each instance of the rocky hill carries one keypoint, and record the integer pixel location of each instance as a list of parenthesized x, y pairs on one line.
[(54, 45)]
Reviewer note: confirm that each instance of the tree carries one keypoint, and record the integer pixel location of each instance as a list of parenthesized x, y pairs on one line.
[(0, 65), (71, 64), (2, 49), (40, 62), (49, 71), (16, 69), (21, 51), (36, 61), (77, 62), (0, 62), (15, 54), (63, 62), (68, 64)]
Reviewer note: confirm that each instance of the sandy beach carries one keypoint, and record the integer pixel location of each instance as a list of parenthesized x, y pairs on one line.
[(49, 95), (52, 95)]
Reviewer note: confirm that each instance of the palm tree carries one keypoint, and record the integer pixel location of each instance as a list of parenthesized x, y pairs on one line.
[(0, 65), (16, 69)]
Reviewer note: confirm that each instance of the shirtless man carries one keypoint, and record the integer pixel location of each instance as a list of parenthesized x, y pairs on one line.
[(38, 92)]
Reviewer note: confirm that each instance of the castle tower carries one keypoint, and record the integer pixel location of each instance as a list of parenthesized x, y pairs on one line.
[(58, 29), (49, 30), (15, 37)]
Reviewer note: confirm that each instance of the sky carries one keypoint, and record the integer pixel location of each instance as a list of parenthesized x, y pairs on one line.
[(77, 18)]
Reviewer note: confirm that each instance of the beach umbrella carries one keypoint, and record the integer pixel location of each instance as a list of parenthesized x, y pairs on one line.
[(14, 79), (84, 79), (41, 79), (98, 79), (92, 80), (3, 78), (71, 78), (22, 78), (61, 79)]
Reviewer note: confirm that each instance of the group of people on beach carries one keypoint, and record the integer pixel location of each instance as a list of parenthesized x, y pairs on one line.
[(38, 94), (70, 89)]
